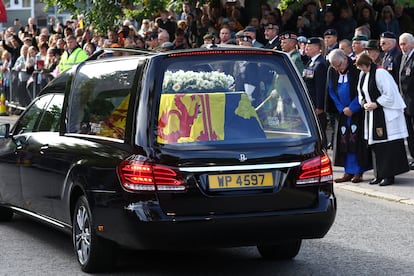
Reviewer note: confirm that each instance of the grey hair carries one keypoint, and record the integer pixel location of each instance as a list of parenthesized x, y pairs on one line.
[(407, 36), (336, 55)]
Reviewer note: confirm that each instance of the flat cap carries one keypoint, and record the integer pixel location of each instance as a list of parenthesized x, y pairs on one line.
[(330, 32), (314, 40), (240, 33), (360, 37), (250, 29), (388, 35)]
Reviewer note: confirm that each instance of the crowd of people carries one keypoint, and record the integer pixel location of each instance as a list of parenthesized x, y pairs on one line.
[(355, 58)]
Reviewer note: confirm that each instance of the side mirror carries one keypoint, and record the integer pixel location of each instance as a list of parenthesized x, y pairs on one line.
[(5, 131)]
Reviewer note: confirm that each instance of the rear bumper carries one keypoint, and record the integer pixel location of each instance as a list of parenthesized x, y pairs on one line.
[(142, 225)]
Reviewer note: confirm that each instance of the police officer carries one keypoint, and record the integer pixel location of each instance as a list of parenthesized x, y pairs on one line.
[(72, 55)]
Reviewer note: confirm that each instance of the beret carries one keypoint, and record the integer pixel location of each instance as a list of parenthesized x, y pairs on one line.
[(330, 32), (302, 39), (388, 35), (288, 35), (314, 40), (360, 37)]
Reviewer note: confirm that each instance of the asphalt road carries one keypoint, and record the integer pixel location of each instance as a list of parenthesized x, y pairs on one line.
[(402, 191), (370, 236)]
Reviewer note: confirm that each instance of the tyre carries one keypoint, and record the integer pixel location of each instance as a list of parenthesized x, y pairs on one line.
[(6, 214), (93, 252), (280, 251)]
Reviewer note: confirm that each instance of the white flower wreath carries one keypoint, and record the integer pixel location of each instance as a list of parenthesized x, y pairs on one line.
[(190, 81)]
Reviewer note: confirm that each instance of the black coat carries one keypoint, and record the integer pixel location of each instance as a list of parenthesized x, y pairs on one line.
[(407, 84), (274, 45)]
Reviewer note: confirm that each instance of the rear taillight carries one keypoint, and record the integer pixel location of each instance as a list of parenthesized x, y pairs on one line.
[(141, 176), (317, 170)]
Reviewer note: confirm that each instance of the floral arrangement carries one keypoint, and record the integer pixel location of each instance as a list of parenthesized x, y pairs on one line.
[(190, 81)]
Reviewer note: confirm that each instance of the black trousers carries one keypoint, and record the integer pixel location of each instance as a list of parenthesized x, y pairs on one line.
[(323, 121), (410, 139), (389, 158)]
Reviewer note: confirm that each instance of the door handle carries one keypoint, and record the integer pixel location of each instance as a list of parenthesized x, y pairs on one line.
[(42, 148)]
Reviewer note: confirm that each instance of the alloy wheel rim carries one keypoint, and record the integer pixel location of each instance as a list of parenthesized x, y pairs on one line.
[(82, 235)]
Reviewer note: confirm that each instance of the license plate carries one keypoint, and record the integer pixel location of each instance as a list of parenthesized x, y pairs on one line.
[(240, 181)]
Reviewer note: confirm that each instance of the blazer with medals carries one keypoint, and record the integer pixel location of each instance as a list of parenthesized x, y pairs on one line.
[(407, 84), (314, 76), (391, 62)]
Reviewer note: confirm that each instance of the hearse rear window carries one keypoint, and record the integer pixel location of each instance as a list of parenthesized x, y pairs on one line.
[(240, 99)]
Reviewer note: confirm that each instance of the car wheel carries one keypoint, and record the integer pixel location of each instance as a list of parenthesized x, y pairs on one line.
[(6, 214), (94, 253), (281, 251)]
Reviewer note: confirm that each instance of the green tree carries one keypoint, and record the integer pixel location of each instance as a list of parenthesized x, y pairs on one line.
[(145, 9), (105, 14)]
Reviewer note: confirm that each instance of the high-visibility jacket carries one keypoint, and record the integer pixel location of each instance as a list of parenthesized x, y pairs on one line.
[(68, 60)]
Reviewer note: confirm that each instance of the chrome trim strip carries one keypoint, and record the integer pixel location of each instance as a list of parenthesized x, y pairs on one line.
[(103, 191), (240, 167), (88, 136), (45, 219)]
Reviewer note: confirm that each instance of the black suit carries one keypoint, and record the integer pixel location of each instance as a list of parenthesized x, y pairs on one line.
[(391, 62), (274, 45), (314, 75), (406, 85)]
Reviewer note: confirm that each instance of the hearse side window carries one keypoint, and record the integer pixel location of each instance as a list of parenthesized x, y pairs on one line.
[(241, 100), (100, 97), (29, 119), (51, 117)]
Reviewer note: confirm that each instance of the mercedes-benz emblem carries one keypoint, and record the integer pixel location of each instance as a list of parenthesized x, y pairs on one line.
[(242, 157)]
